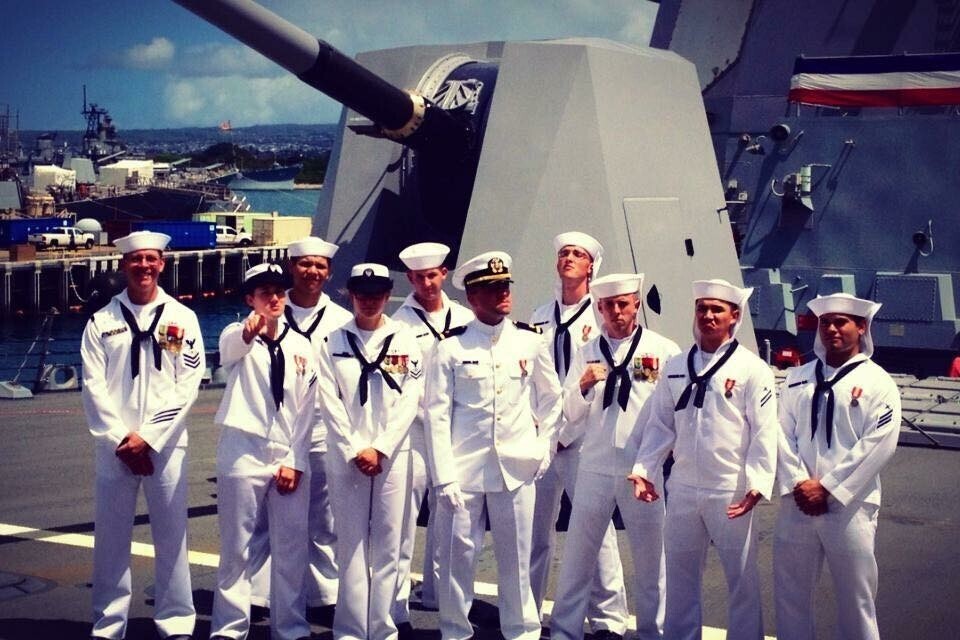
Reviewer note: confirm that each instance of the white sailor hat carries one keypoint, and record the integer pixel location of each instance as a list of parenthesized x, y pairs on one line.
[(616, 284), (263, 274), (139, 240), (312, 246), (424, 255), (718, 289), (580, 239), (847, 305), (487, 268), (370, 278), (721, 290)]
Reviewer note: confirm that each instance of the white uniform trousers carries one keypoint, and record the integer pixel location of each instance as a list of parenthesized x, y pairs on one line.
[(417, 482), (607, 606), (695, 517), (322, 571), (845, 536), (596, 497), (116, 506), (369, 516), (322, 574), (240, 503), (460, 533)]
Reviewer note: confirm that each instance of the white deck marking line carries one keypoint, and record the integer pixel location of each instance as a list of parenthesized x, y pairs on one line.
[(140, 549), (202, 559)]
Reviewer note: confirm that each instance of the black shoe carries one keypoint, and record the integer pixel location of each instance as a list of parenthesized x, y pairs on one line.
[(405, 631), (606, 634)]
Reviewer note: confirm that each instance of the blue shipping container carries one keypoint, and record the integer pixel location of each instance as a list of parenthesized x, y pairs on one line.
[(16, 230), (183, 235)]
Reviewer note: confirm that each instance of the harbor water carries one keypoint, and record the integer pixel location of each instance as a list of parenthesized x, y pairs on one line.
[(22, 346)]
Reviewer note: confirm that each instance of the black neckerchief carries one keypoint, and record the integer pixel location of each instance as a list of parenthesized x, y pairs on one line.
[(437, 335), (563, 331), (366, 368), (306, 333), (826, 386), (703, 381), (277, 365), (618, 372), (139, 336)]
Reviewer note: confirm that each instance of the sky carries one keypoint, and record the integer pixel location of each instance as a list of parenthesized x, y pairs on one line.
[(155, 65)]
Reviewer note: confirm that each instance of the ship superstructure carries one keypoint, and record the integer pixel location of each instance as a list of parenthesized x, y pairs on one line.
[(837, 132)]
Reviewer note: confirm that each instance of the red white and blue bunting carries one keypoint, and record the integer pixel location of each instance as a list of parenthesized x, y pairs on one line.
[(877, 81)]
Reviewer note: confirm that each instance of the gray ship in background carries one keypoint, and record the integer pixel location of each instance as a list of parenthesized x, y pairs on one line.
[(836, 129)]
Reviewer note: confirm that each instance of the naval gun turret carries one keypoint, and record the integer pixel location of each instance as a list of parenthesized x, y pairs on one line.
[(501, 145)]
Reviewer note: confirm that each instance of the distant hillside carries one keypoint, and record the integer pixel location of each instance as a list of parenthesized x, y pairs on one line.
[(200, 137)]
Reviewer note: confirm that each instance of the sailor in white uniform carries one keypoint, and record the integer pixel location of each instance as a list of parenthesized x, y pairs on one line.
[(609, 381), (311, 313), (372, 388), (568, 323), (143, 359), (266, 418), (492, 408), (716, 410), (429, 313), (840, 415)]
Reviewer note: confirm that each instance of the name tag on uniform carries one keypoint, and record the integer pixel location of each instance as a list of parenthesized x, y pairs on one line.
[(342, 355), (470, 362), (114, 332)]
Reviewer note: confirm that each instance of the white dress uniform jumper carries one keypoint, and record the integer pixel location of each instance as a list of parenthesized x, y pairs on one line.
[(266, 418), (142, 367), (567, 328), (314, 324), (606, 418), (717, 412), (428, 329), (488, 389), (840, 426), (371, 392)]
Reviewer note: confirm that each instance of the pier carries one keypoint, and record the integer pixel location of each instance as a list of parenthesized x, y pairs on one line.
[(62, 280)]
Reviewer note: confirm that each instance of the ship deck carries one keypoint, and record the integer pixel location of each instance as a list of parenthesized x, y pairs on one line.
[(46, 511)]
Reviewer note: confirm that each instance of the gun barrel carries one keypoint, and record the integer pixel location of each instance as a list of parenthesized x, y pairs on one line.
[(314, 61)]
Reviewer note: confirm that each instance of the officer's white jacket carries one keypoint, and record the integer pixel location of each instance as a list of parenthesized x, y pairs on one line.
[(248, 404), (334, 316), (728, 445), (611, 436), (155, 403), (482, 419), (384, 421), (865, 432), (405, 315)]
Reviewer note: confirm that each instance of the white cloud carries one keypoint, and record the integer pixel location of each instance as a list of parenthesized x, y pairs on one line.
[(222, 60), (244, 101), (155, 55)]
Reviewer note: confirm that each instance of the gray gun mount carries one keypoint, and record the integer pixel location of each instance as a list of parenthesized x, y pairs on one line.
[(530, 139)]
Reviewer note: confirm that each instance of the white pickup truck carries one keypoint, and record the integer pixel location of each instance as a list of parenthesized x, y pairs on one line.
[(62, 237), (229, 235)]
